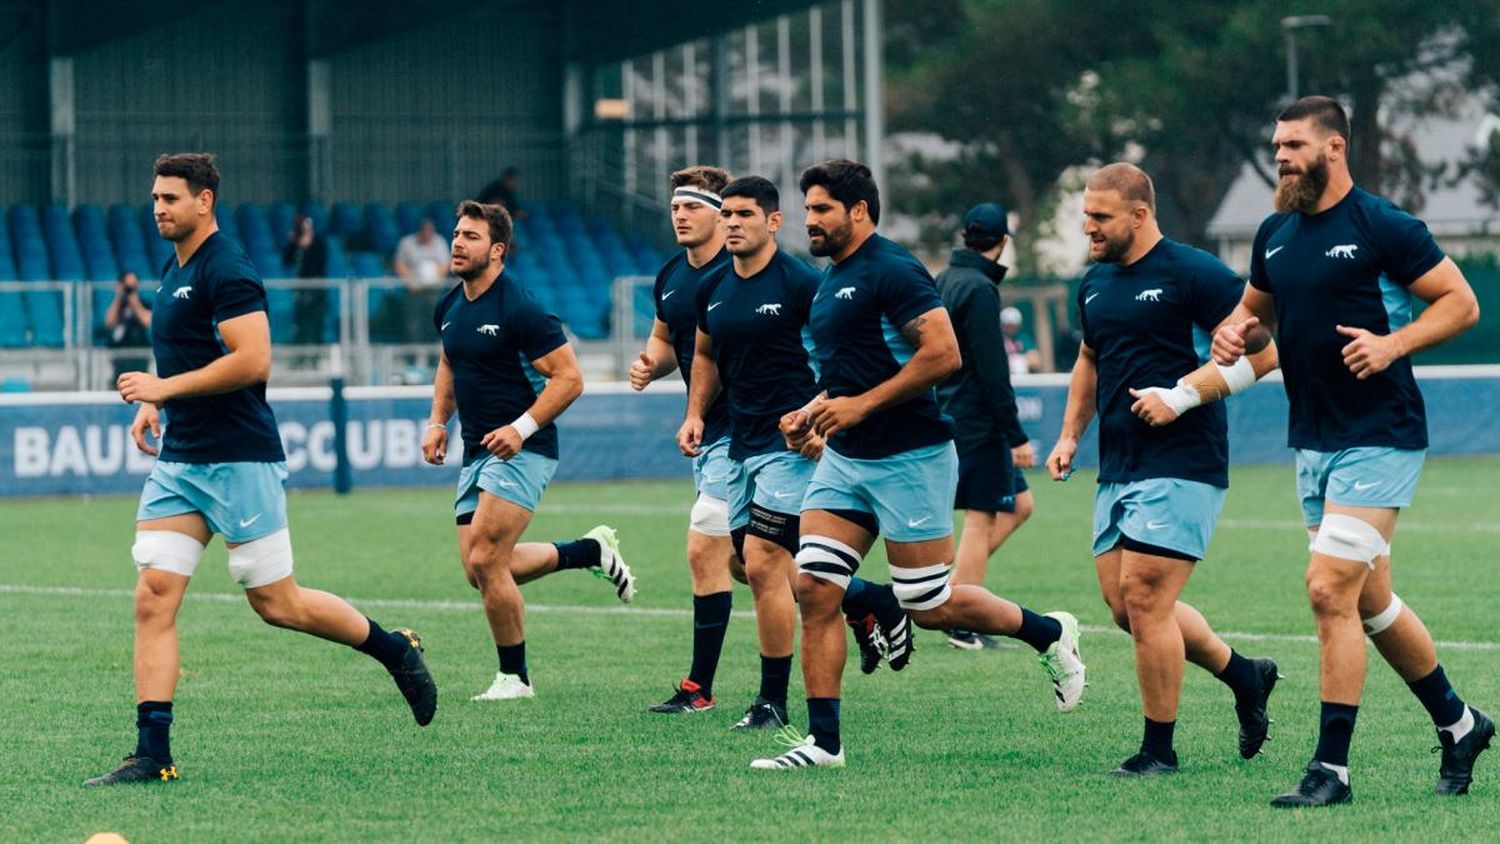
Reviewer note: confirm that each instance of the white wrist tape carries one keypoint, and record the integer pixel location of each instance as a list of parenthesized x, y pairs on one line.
[(525, 426), (1239, 375), (1180, 399)]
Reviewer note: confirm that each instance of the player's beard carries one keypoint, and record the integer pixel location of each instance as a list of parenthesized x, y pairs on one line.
[(1114, 250), (1302, 192), (834, 240), (477, 265)]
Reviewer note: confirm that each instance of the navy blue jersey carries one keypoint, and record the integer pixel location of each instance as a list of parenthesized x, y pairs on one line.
[(760, 340), (676, 297), (1349, 265), (490, 344), (217, 284), (861, 306), (1146, 323)]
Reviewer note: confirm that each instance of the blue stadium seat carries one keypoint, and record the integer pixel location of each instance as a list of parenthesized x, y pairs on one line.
[(441, 212), (409, 217), (228, 225), (255, 232), (12, 320), (280, 217), (367, 265), (346, 219), (338, 260), (281, 310), (62, 244), (380, 226), (45, 310)]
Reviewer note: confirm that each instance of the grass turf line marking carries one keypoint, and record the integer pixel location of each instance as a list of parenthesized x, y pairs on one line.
[(658, 612)]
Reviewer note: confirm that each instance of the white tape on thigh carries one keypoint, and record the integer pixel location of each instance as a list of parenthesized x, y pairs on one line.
[(1381, 621), (921, 588), (1348, 538), (710, 516), (827, 559), (166, 550), (262, 562), (1312, 536)]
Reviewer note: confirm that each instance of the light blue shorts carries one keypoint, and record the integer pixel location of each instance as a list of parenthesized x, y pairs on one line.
[(239, 501), (1356, 477), (1166, 512), (519, 480), (910, 494), (775, 481), (711, 470)]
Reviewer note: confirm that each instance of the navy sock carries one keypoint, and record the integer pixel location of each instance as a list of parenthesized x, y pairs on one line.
[(823, 722), (710, 623), (1038, 631), (1335, 733), (1241, 677), (153, 723), (578, 554), (775, 673), (1438, 696), (863, 598), (1156, 741), (389, 649), (513, 660)]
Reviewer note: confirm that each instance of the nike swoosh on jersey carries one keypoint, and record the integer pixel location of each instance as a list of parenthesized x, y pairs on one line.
[(667, 295), (1270, 252), (1089, 298)]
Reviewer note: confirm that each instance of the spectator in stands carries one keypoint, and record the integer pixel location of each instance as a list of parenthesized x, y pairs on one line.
[(305, 255), (502, 191), (1019, 347), (127, 324), (422, 261)]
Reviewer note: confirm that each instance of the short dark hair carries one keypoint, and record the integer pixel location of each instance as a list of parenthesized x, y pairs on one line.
[(496, 215), (1325, 112), (197, 168), (846, 181), (981, 241), (758, 188), (712, 179)]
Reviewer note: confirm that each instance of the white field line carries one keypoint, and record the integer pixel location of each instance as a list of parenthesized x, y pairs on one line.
[(566, 609)]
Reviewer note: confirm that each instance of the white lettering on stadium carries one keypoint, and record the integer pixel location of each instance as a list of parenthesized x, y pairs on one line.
[(107, 450)]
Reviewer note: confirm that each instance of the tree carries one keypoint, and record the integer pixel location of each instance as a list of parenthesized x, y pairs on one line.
[(1006, 79)]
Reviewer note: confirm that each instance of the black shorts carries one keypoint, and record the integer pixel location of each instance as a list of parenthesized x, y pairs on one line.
[(987, 479)]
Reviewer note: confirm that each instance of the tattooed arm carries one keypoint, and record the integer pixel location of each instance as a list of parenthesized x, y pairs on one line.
[(934, 358)]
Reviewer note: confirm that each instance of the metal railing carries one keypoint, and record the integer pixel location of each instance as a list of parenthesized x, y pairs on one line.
[(373, 332)]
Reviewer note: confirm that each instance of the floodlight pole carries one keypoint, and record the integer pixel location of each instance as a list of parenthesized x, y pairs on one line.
[(1289, 27)]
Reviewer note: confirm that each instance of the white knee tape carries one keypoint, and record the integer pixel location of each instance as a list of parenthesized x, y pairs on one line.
[(1381, 621), (921, 588), (166, 550), (710, 516), (827, 559), (1348, 538), (262, 562)]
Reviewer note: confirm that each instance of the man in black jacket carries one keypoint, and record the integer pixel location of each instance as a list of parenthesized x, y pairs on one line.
[(992, 448)]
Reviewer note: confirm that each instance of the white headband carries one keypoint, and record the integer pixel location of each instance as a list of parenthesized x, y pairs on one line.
[(699, 195)]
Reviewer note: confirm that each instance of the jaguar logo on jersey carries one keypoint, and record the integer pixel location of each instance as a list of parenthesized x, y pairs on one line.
[(490, 328), (1344, 250), (1152, 295), (771, 308), (182, 292), (844, 293)]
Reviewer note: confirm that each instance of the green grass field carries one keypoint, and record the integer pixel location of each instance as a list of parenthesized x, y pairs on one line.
[(281, 737)]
